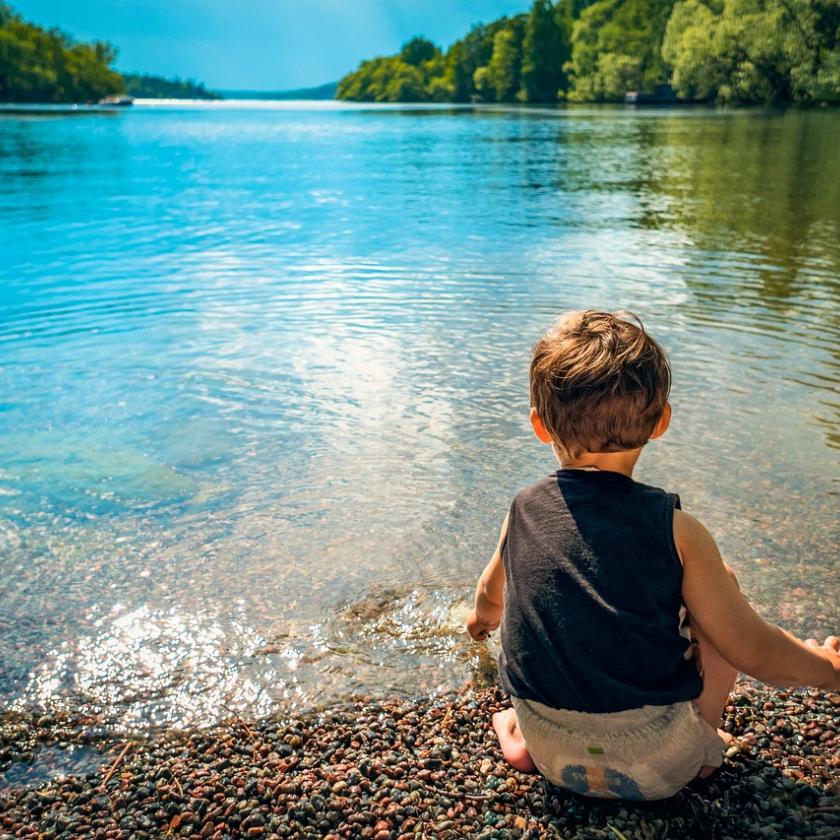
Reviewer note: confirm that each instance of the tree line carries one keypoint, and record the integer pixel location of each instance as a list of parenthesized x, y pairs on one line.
[(45, 65), (48, 66), (145, 86), (729, 51)]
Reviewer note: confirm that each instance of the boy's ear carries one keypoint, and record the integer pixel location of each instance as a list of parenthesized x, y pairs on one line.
[(663, 422), (539, 429)]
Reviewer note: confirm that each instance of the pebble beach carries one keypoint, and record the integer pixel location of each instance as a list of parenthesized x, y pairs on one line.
[(399, 769)]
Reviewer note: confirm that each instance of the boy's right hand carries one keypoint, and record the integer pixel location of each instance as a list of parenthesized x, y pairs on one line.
[(486, 614), (830, 649), (478, 629)]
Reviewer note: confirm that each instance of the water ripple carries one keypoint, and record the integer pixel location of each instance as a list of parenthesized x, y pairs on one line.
[(263, 377)]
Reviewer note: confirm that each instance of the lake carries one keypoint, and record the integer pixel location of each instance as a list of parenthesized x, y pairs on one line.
[(264, 378)]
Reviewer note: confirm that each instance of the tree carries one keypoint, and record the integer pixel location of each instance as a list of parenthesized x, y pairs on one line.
[(387, 79), (467, 55), (39, 65), (731, 50), (418, 50), (437, 79), (812, 45), (545, 49), (156, 87), (617, 46), (570, 10), (483, 85), (405, 84), (503, 71), (755, 50), (452, 77)]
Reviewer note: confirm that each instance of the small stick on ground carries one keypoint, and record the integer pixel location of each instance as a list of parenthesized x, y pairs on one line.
[(248, 730), (120, 757)]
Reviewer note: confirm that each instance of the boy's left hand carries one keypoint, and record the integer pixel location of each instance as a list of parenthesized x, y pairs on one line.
[(478, 629)]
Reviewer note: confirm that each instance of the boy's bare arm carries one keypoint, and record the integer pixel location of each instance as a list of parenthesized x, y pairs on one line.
[(741, 636), (486, 615)]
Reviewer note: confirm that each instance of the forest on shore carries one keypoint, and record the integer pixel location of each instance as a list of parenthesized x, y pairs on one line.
[(145, 86), (48, 66), (728, 51), (45, 65)]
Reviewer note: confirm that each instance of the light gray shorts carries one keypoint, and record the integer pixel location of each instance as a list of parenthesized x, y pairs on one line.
[(647, 753)]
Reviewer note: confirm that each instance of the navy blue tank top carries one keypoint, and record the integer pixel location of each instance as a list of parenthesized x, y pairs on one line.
[(592, 606)]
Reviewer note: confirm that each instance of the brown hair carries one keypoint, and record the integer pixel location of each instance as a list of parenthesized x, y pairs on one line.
[(599, 382)]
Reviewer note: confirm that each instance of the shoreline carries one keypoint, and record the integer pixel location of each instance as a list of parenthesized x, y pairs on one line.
[(427, 767)]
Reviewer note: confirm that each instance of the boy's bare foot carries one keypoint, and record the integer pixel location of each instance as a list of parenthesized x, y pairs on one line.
[(511, 741), (706, 771)]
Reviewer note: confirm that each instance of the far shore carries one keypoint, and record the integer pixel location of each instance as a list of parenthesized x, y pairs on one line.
[(549, 109)]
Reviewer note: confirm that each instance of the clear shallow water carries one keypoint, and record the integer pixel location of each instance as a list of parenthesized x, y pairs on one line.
[(263, 400)]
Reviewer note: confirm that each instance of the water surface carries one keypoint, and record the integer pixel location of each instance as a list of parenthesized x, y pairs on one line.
[(263, 399)]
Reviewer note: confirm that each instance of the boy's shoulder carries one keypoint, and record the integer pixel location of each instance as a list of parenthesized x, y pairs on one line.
[(566, 481), (544, 486)]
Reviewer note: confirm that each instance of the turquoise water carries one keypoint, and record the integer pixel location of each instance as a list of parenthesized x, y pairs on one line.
[(264, 398)]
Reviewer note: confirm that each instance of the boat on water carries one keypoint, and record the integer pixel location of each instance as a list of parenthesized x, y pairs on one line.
[(121, 101)]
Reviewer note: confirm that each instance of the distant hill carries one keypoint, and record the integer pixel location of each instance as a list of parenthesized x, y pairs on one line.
[(326, 91), (144, 86)]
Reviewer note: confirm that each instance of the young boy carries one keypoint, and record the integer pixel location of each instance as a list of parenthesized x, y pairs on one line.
[(622, 629)]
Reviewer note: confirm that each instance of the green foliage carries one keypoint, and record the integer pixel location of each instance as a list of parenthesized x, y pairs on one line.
[(570, 10), (417, 51), (503, 71), (812, 46), (755, 50), (616, 47), (499, 79), (38, 65), (405, 84), (486, 64), (386, 79), (145, 86), (483, 85), (545, 49), (729, 50), (418, 73), (518, 58), (469, 54)]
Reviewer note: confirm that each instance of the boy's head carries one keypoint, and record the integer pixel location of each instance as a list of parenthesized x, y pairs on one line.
[(599, 383)]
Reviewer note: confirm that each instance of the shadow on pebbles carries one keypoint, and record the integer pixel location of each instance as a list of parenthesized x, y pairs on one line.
[(401, 769)]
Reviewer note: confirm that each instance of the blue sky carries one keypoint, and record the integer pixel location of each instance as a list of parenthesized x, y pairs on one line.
[(259, 44)]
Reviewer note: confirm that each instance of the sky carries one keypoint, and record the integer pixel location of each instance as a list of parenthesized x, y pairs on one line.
[(259, 44)]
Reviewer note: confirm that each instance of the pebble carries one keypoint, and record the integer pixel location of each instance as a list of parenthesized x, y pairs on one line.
[(404, 770)]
